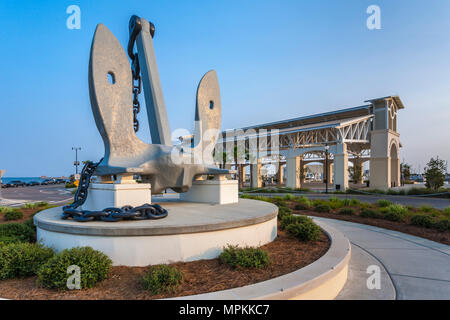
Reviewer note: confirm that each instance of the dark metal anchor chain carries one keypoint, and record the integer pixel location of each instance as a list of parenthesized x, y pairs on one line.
[(135, 27), (146, 211)]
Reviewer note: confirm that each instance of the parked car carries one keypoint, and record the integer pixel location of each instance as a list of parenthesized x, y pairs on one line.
[(33, 183), (16, 184), (60, 181), (47, 182)]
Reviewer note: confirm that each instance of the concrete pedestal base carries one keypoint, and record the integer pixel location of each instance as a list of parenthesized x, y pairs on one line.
[(105, 195), (212, 191), (191, 231)]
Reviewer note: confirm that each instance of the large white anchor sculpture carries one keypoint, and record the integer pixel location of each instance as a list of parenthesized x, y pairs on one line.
[(110, 89)]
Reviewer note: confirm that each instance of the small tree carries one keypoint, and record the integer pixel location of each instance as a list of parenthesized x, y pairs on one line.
[(354, 173), (435, 173), (406, 171)]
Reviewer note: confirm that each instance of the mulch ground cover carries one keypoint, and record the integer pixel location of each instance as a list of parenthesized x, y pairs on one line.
[(286, 252), (28, 213)]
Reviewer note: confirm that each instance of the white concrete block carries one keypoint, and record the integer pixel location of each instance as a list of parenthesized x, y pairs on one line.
[(105, 195), (212, 191)]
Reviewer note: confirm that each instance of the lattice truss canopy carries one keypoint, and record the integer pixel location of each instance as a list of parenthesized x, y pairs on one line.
[(353, 131)]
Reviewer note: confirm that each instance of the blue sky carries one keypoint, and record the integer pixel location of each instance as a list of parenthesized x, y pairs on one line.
[(275, 60)]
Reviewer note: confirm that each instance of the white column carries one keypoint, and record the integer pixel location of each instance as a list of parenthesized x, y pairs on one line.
[(341, 167), (358, 166), (255, 172), (280, 176), (302, 168), (293, 172)]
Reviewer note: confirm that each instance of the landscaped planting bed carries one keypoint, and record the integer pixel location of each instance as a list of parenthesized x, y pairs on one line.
[(8, 214), (299, 243), (425, 221)]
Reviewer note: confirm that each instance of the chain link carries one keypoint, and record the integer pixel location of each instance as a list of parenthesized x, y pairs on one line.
[(135, 28), (146, 211), (136, 105)]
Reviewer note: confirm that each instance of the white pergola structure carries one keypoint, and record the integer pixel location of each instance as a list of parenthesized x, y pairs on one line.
[(359, 134)]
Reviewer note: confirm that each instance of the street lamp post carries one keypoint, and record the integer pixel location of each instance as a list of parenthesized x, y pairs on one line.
[(326, 168), (76, 163)]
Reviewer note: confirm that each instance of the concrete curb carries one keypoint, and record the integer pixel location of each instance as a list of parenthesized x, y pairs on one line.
[(321, 280)]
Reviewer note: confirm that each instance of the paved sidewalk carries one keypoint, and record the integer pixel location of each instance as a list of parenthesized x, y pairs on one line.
[(418, 268)]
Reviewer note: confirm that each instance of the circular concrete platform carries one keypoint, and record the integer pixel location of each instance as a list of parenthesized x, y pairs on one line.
[(192, 231)]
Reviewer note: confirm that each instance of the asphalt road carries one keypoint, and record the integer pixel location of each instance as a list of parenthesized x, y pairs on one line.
[(51, 193), (57, 194)]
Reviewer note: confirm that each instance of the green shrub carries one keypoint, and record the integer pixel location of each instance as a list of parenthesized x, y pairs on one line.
[(301, 206), (369, 213), (30, 224), (17, 232), (35, 205), (287, 220), (306, 230), (346, 202), (15, 214), (426, 209), (94, 266), (355, 202), (422, 220), (396, 212), (446, 211), (347, 211), (335, 203), (279, 201), (392, 192), (383, 210), (284, 211), (322, 208), (382, 203), (317, 202), (289, 197), (70, 185), (365, 205), (262, 198), (442, 224), (4, 209), (303, 202), (162, 278), (18, 260), (247, 257)]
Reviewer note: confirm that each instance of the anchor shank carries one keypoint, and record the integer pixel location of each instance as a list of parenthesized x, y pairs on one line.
[(154, 99)]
